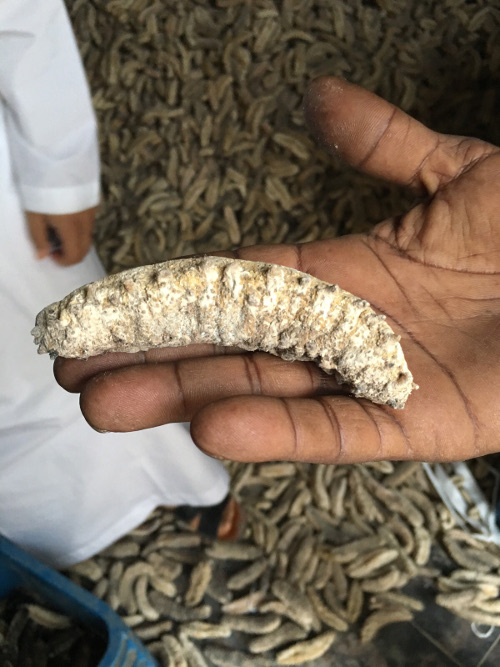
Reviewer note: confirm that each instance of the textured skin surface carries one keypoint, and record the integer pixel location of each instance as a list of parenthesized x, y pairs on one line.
[(252, 305)]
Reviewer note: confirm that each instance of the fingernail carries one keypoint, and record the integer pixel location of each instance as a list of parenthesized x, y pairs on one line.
[(217, 456)]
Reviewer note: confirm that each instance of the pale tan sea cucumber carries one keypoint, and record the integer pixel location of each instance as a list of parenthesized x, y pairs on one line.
[(251, 305)]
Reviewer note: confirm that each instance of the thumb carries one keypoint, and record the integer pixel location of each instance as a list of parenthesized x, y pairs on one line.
[(378, 138), (38, 231)]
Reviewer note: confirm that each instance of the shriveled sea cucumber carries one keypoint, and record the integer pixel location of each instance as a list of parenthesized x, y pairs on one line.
[(251, 305)]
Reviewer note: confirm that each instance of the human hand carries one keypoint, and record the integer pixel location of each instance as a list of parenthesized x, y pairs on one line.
[(435, 273), (73, 230)]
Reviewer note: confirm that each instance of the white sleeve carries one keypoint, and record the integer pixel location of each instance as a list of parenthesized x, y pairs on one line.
[(50, 121)]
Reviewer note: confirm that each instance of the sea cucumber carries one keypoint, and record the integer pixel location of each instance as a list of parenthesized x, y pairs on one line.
[(251, 305)]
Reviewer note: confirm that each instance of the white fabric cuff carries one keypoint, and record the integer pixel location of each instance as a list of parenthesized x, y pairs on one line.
[(59, 200), (49, 184)]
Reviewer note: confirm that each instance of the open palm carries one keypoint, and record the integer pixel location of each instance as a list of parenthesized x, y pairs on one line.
[(434, 272)]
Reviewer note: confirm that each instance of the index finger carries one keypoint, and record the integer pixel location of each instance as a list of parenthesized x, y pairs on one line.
[(73, 374)]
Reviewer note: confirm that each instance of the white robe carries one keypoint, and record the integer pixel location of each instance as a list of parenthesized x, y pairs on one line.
[(66, 491)]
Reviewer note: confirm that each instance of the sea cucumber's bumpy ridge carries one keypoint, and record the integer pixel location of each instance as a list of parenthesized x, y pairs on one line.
[(252, 305)]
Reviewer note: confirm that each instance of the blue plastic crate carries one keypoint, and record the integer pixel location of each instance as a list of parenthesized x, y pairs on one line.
[(20, 571)]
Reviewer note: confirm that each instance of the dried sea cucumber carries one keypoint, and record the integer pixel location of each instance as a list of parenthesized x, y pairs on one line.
[(251, 305)]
